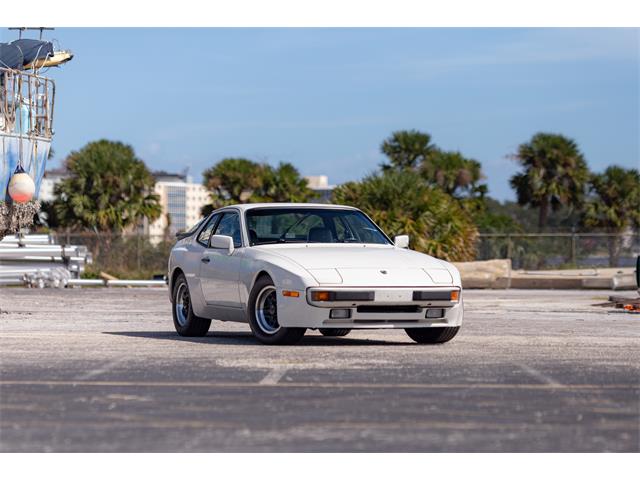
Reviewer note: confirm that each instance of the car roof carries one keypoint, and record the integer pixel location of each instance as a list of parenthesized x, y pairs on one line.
[(250, 206)]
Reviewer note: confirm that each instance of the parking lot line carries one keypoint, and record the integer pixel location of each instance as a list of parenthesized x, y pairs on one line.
[(99, 371), (274, 376), (160, 384), (539, 375)]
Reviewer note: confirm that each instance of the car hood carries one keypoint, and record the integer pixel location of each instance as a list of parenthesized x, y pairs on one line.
[(366, 265)]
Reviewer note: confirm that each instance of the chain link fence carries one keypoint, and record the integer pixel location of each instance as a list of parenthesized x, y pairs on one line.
[(131, 256), (539, 251)]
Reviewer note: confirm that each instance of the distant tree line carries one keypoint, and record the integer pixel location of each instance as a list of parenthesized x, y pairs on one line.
[(437, 196)]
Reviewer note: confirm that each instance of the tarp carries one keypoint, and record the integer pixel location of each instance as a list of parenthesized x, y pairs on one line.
[(33, 49), (11, 56)]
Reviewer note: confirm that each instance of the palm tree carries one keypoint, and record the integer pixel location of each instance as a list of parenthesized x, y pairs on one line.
[(108, 189), (232, 180), (614, 205), (282, 184), (453, 173), (555, 174), (400, 202), (407, 149), (238, 180)]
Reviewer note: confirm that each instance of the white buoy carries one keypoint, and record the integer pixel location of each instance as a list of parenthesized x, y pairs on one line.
[(21, 186)]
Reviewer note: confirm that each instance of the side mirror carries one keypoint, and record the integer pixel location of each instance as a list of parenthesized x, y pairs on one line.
[(222, 242), (401, 241)]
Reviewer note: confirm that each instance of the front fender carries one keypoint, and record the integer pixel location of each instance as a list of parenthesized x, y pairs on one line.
[(285, 274)]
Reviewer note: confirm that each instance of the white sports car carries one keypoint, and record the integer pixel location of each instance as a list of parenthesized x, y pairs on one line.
[(287, 267)]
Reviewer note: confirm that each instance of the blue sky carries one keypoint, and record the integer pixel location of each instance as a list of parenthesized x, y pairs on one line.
[(324, 99)]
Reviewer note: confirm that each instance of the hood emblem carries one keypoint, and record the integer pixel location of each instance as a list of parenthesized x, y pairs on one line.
[(384, 272)]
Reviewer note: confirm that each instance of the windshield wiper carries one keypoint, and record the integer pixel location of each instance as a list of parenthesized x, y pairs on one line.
[(300, 220), (280, 240)]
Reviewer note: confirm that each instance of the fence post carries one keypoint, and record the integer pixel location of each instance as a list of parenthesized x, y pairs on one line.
[(574, 260), (138, 253), (509, 246)]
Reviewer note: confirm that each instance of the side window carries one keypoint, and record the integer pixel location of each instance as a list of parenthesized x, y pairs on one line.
[(205, 234), (230, 226)]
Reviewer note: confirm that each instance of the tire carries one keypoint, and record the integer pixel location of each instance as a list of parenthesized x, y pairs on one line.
[(187, 323), (263, 316), (335, 332), (432, 335)]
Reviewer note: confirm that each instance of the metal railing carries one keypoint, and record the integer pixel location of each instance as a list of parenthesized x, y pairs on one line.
[(560, 250), (26, 104)]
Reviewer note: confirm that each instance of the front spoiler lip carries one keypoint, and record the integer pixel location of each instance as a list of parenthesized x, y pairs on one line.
[(391, 324)]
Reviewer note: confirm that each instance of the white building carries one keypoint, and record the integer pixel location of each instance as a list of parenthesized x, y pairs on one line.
[(320, 185), (50, 179), (181, 202)]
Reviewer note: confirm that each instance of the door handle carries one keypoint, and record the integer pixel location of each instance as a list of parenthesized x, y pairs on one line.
[(205, 259)]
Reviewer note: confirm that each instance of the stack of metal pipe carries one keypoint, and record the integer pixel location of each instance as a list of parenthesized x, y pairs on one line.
[(37, 261)]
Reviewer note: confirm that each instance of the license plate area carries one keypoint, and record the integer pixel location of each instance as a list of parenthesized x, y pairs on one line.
[(393, 296)]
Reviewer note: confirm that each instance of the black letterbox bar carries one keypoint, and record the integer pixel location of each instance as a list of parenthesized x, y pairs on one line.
[(350, 296), (440, 295)]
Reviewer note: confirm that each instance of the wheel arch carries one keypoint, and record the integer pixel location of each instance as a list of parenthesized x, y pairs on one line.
[(174, 276), (261, 273)]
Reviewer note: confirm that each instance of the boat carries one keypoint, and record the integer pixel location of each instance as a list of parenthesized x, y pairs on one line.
[(38, 54), (27, 100), (57, 58)]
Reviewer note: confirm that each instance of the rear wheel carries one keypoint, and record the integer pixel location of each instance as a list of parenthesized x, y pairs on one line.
[(335, 332), (186, 322), (263, 316), (432, 335)]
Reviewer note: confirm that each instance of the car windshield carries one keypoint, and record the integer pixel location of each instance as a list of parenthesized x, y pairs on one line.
[(311, 225)]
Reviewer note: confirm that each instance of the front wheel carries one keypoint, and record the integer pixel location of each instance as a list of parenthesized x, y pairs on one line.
[(432, 335), (263, 316), (186, 322)]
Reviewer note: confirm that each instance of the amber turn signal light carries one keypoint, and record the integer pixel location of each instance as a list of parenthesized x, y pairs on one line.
[(455, 295), (320, 296), (290, 293)]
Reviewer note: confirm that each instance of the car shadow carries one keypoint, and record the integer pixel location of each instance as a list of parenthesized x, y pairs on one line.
[(246, 338)]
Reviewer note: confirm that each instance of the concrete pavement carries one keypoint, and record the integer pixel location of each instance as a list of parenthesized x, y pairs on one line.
[(103, 370)]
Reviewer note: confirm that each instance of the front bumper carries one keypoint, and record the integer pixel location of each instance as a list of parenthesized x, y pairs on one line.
[(389, 308)]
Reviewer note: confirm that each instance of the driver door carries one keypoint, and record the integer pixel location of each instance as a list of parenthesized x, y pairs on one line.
[(219, 271)]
